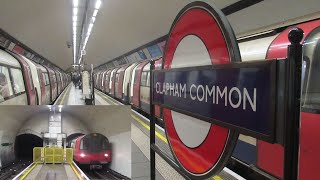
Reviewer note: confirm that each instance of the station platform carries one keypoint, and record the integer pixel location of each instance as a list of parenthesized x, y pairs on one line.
[(73, 96), (140, 131), (41, 171)]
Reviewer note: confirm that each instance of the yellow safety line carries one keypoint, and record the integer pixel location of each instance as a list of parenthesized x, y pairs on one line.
[(217, 178), (26, 174), (64, 95), (163, 138), (148, 127), (75, 171)]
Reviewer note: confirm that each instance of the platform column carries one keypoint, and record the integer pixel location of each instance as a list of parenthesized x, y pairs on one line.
[(292, 122)]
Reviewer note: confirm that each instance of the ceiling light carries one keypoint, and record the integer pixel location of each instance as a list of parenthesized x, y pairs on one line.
[(95, 12), (75, 3), (75, 23), (98, 3), (75, 11), (93, 19), (74, 18)]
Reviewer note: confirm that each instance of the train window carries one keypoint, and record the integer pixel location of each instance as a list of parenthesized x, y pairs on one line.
[(117, 77), (148, 79), (144, 78), (54, 78), (5, 83), (311, 70), (18, 84), (46, 78)]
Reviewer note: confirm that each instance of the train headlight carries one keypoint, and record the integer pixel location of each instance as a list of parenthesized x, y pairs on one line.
[(106, 155), (82, 155)]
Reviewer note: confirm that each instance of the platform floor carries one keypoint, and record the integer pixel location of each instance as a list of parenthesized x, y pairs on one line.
[(140, 137), (52, 172), (73, 96)]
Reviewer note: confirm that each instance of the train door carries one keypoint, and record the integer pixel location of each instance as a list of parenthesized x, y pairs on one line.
[(112, 82), (136, 85), (144, 94), (35, 79), (28, 80), (107, 82), (12, 89), (45, 85), (132, 82), (126, 83)]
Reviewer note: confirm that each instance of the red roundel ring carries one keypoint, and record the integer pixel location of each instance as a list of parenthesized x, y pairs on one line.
[(208, 24)]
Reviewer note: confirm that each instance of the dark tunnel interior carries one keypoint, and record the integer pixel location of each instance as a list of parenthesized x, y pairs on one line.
[(24, 145)]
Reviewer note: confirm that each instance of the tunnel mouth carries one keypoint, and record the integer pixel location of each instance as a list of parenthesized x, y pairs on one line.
[(72, 137), (24, 145)]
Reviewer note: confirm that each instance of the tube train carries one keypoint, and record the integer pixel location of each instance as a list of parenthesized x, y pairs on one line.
[(24, 82), (130, 84), (91, 149)]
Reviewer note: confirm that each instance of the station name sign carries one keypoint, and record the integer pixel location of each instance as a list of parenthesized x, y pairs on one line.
[(238, 95)]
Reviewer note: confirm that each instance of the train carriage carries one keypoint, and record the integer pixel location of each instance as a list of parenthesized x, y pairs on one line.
[(38, 81), (106, 81), (104, 74), (53, 83), (128, 74), (112, 80), (137, 83), (46, 87), (12, 88), (92, 149), (27, 79), (119, 82), (59, 85)]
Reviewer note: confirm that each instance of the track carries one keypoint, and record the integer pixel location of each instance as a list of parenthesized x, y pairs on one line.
[(104, 174), (11, 170)]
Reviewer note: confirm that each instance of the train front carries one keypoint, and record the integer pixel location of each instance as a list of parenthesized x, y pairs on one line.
[(93, 149)]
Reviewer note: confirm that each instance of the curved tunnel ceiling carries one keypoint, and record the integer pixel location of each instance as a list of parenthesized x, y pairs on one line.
[(46, 26), (102, 119)]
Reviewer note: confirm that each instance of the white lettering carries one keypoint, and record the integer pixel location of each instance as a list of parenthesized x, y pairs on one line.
[(224, 93), (183, 90), (211, 93), (202, 89), (239, 97), (192, 97), (246, 96)]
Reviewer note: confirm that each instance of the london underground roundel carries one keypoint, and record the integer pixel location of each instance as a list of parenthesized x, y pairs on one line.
[(200, 35)]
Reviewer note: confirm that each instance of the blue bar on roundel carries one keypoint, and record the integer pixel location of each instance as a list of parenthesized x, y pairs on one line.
[(238, 95)]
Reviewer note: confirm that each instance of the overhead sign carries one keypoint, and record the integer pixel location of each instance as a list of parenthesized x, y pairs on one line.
[(200, 148)]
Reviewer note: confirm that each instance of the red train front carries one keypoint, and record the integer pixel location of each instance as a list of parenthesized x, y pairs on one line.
[(92, 149)]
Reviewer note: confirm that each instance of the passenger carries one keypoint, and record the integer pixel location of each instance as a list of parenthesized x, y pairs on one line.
[(4, 89)]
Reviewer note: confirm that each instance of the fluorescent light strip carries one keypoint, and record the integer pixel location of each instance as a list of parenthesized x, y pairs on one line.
[(93, 19), (75, 11), (74, 18), (95, 12), (98, 4), (75, 3)]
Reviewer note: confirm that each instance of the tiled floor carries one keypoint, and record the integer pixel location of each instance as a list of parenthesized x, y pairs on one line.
[(141, 165)]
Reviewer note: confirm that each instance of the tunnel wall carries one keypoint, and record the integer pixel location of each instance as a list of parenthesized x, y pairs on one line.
[(72, 125), (38, 124), (35, 125), (121, 153), (9, 126), (6, 147)]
